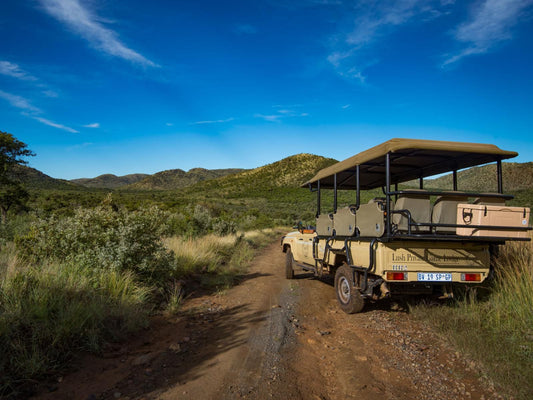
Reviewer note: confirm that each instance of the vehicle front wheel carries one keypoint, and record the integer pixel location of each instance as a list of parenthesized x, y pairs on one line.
[(349, 296), (289, 259)]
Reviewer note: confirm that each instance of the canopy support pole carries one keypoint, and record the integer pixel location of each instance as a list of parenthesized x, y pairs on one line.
[(317, 198), (335, 194), (500, 176), (358, 188), (387, 194)]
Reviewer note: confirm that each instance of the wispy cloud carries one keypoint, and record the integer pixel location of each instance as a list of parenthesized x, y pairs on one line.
[(269, 118), (490, 24), (54, 125), (372, 21), (29, 110), (86, 24), (93, 125), (216, 121), (11, 69), (280, 114), (19, 102)]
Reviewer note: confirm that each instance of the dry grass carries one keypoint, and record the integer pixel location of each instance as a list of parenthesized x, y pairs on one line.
[(217, 254)]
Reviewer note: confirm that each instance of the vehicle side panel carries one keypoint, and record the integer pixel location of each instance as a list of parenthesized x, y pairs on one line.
[(413, 257)]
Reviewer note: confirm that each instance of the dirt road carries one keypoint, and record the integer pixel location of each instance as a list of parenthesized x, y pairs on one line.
[(270, 338)]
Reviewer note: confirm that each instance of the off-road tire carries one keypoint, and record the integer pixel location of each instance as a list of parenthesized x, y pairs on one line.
[(289, 260), (349, 297)]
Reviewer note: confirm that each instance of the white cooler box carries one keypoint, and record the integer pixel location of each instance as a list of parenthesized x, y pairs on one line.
[(495, 215)]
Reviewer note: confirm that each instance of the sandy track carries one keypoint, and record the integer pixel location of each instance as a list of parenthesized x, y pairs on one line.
[(270, 338)]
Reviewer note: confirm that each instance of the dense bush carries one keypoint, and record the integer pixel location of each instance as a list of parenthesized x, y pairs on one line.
[(76, 281), (102, 238), (198, 221)]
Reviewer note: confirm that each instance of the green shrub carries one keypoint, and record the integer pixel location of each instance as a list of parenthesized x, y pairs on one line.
[(101, 238), (224, 228)]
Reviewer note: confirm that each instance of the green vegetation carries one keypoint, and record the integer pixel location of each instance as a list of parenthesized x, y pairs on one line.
[(12, 193), (176, 178), (496, 330), (102, 238), (109, 181), (53, 310), (77, 282)]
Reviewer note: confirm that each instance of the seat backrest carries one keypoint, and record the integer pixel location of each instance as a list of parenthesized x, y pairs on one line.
[(344, 221), (418, 204), (370, 220), (445, 211), (324, 225)]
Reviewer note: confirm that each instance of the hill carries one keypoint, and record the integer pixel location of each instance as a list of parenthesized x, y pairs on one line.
[(516, 177), (290, 172), (266, 196), (110, 181), (36, 180), (173, 179)]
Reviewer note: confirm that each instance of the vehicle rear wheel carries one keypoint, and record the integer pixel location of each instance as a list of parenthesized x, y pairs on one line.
[(289, 259), (349, 296)]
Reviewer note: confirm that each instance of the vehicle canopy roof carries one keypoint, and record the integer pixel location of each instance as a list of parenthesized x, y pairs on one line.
[(409, 159)]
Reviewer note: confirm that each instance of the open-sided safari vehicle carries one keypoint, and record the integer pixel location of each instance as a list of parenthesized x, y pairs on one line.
[(410, 241)]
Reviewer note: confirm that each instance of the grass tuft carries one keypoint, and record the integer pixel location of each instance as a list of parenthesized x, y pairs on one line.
[(49, 313)]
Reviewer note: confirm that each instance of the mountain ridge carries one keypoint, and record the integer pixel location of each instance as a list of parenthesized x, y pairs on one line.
[(174, 179), (109, 181), (291, 172)]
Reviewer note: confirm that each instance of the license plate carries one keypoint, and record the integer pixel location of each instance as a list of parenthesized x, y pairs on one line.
[(434, 277)]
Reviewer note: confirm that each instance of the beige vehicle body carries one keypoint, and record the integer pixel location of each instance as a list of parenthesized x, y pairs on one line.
[(411, 240)]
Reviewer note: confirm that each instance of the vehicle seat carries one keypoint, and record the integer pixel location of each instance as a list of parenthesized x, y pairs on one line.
[(344, 221), (445, 211), (370, 219), (418, 204), (324, 225)]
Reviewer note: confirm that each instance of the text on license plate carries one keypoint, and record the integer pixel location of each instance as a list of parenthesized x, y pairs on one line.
[(434, 277)]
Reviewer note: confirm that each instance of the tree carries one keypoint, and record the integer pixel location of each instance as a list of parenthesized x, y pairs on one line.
[(12, 153)]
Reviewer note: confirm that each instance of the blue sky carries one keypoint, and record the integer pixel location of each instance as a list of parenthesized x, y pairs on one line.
[(132, 86)]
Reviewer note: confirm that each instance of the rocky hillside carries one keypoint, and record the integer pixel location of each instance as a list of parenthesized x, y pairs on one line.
[(110, 181), (177, 178), (291, 172), (516, 177)]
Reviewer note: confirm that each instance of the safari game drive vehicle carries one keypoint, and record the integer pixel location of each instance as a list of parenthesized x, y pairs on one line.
[(408, 241)]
